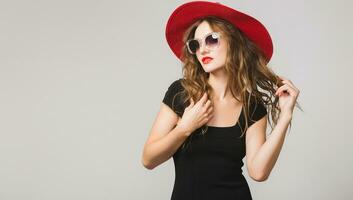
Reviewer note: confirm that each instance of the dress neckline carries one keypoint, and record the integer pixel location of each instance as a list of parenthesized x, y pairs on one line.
[(227, 127)]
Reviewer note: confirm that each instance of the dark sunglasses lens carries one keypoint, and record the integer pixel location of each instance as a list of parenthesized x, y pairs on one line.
[(193, 45), (212, 40)]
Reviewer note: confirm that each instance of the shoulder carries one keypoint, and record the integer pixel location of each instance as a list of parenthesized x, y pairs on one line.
[(174, 96), (257, 109), (176, 85), (175, 88)]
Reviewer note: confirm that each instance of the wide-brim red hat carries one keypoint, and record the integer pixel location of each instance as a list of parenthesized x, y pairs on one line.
[(186, 14)]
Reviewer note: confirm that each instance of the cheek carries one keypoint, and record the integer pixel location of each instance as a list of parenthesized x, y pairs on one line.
[(222, 55), (224, 51)]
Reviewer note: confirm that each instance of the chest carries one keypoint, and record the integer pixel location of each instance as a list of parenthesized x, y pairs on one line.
[(225, 114)]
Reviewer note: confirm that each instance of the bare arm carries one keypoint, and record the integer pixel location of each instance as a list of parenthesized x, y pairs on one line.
[(262, 154), (169, 131), (157, 152)]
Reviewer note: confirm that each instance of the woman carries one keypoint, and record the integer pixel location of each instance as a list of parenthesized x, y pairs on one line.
[(215, 115)]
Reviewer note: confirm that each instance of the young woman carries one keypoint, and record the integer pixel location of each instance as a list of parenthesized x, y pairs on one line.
[(217, 113)]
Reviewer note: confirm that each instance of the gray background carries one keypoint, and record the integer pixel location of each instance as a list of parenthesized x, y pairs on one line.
[(82, 81)]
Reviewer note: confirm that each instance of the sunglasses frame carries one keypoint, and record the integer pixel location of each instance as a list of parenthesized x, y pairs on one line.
[(203, 42)]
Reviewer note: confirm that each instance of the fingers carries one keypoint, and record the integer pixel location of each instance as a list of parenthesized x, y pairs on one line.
[(285, 88), (207, 104), (206, 117), (208, 114), (294, 90), (200, 103), (291, 85), (208, 111), (203, 99), (191, 104), (204, 121)]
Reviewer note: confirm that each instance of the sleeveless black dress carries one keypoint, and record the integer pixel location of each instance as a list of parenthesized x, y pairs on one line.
[(209, 167)]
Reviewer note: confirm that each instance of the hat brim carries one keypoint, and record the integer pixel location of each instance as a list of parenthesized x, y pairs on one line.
[(186, 14)]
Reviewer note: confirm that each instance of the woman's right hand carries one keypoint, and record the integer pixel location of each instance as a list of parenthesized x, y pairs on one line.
[(196, 115)]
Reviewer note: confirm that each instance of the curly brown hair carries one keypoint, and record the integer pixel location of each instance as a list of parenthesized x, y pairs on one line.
[(249, 77)]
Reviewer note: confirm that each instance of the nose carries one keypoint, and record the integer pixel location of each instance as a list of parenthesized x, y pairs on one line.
[(203, 49)]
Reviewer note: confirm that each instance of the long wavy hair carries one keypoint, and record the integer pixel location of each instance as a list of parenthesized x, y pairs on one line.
[(249, 77)]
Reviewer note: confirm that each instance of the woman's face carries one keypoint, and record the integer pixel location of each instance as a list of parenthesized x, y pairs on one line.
[(218, 54)]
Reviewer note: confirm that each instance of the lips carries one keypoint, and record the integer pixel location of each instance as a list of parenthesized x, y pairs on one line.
[(206, 60)]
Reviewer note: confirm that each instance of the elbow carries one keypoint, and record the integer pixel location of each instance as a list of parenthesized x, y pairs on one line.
[(147, 164), (259, 177)]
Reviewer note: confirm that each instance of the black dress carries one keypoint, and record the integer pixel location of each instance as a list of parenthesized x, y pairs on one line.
[(209, 167)]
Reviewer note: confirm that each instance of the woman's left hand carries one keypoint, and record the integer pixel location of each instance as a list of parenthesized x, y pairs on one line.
[(288, 95)]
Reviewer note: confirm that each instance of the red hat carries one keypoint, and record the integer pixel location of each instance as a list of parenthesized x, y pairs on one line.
[(186, 14)]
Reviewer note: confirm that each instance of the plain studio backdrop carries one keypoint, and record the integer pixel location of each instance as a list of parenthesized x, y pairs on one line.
[(81, 83)]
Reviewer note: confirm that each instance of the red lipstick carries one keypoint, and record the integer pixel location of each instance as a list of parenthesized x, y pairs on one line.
[(206, 59)]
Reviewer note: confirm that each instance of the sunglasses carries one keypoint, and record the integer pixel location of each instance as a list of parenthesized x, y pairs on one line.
[(211, 40)]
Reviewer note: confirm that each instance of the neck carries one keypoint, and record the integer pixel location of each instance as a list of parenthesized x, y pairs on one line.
[(218, 81)]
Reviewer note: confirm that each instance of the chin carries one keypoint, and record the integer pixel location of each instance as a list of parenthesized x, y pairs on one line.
[(211, 68)]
